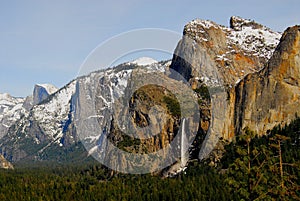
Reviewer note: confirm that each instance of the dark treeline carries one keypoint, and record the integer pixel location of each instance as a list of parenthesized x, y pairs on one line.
[(250, 171), (92, 183)]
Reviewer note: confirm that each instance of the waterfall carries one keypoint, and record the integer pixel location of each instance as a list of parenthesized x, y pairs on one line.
[(184, 146)]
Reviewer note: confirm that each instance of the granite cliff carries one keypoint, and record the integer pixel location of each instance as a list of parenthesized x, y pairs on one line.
[(271, 96), (244, 75), (258, 67)]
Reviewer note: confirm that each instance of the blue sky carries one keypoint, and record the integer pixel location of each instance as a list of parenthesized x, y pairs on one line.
[(47, 41)]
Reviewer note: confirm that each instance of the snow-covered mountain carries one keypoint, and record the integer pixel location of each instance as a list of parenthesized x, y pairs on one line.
[(54, 125), (253, 38), (144, 61), (42, 91), (51, 122), (11, 109), (238, 50)]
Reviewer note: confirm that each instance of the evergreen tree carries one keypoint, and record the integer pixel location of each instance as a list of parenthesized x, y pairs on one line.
[(260, 170), (283, 184), (246, 175)]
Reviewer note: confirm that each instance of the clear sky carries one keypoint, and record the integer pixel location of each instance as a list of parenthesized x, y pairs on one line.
[(43, 41)]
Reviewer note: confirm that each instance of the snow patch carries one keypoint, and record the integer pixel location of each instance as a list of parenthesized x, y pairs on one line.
[(144, 61), (253, 38), (203, 23), (52, 114), (51, 89), (11, 109), (261, 41)]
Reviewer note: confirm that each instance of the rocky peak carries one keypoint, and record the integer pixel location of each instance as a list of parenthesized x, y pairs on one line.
[(244, 47), (285, 64), (8, 97), (260, 67), (5, 96), (197, 30), (271, 97), (237, 23), (42, 91), (13, 108), (255, 39)]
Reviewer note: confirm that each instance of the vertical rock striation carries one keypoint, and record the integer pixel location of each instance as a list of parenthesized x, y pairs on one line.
[(259, 72), (271, 96)]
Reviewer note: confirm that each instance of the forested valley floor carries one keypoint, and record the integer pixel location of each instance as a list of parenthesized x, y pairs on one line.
[(252, 168)]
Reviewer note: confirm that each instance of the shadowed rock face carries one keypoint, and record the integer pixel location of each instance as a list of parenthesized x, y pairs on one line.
[(42, 91)]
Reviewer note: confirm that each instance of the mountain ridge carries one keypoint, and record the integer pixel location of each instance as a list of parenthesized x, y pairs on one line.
[(238, 53)]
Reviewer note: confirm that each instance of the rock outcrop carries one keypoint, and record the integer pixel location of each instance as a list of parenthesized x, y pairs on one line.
[(271, 96), (45, 125), (42, 91), (259, 72), (242, 76), (235, 52), (134, 110), (12, 108), (5, 164)]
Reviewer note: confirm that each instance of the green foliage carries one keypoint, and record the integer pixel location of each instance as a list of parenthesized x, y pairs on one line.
[(203, 92), (253, 164), (246, 175), (128, 141), (172, 105), (96, 183)]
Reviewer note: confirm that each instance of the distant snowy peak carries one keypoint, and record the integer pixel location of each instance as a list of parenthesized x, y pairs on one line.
[(11, 109), (51, 89), (52, 115), (42, 91), (5, 96), (6, 99), (144, 61)]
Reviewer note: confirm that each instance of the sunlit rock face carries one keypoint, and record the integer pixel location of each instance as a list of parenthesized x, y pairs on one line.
[(258, 67), (271, 96), (5, 164), (244, 75)]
